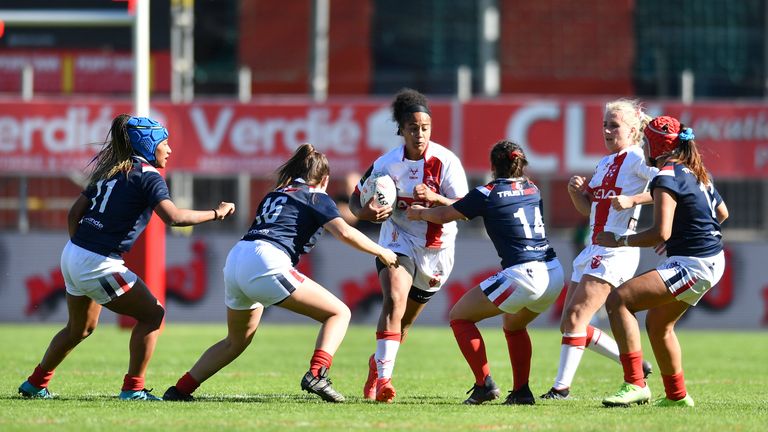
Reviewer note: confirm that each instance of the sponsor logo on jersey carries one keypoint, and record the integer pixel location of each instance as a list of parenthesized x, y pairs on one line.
[(605, 193), (93, 222)]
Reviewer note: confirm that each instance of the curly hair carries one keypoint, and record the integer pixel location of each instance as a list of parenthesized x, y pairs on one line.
[(408, 101)]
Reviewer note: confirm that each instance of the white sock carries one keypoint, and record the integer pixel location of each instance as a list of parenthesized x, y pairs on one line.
[(604, 345), (570, 357), (386, 352)]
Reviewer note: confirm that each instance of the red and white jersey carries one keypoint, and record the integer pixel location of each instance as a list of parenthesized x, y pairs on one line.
[(622, 173), (441, 171)]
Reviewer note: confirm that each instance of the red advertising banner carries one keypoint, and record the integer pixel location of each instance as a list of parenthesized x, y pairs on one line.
[(561, 136), (564, 136)]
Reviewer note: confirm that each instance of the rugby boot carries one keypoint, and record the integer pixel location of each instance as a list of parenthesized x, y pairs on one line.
[(385, 391), (369, 388), (142, 394), (687, 401), (174, 394), (627, 395), (29, 391), (483, 393), (321, 386), (556, 394), (521, 396)]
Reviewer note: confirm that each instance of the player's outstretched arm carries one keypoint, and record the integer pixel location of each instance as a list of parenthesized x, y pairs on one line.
[(174, 216), (437, 215), (351, 236), (623, 202)]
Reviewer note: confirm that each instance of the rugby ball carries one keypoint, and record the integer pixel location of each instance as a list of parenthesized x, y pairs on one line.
[(381, 188)]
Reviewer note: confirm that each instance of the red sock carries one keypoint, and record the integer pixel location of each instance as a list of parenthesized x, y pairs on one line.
[(187, 384), (320, 358), (674, 386), (520, 351), (632, 363), (40, 377), (472, 346), (133, 383)]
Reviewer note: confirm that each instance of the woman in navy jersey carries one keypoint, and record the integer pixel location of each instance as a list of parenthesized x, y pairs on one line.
[(687, 215), (531, 279), (104, 222), (260, 272)]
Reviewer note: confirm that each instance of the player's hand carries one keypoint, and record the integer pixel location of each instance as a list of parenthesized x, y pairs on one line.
[(607, 239), (388, 257), (225, 209), (622, 202), (423, 193), (576, 184), (414, 212), (373, 212)]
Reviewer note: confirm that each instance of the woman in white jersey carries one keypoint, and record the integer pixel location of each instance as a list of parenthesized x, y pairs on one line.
[(596, 270), (428, 174)]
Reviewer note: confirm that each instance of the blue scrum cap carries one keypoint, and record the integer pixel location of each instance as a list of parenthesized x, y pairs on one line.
[(145, 135)]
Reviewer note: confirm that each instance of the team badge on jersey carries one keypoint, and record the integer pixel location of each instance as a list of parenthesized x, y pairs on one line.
[(596, 261)]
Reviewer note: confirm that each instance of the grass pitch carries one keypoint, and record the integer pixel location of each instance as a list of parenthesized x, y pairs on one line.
[(726, 374)]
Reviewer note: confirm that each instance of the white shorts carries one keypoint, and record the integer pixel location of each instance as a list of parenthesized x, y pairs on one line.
[(99, 277), (258, 273), (689, 278), (534, 285), (613, 265), (433, 266)]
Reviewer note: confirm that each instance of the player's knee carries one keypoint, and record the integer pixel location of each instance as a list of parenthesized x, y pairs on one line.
[(79, 334), (154, 316), (343, 313), (613, 303)]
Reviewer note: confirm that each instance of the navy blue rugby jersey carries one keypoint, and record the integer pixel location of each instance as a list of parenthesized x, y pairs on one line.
[(292, 218), (120, 209), (695, 229), (511, 211)]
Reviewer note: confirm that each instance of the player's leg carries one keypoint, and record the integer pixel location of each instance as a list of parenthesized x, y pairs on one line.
[(660, 324), (241, 327), (396, 284), (585, 298), (139, 303), (472, 307), (83, 319), (640, 293), (520, 352), (312, 300)]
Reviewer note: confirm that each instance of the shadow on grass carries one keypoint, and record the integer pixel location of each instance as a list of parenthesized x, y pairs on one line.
[(265, 398)]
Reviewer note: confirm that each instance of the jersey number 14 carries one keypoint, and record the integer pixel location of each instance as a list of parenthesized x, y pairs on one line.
[(538, 222)]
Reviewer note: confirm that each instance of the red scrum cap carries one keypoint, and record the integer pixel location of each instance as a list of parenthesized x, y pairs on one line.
[(662, 133)]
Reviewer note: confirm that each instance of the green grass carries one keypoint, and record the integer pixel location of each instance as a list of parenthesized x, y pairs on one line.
[(727, 375)]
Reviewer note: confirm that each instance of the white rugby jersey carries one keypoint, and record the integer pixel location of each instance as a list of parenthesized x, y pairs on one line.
[(441, 171), (622, 173)]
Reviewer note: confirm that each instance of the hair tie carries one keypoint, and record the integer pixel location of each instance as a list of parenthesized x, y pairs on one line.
[(515, 154), (686, 135)]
